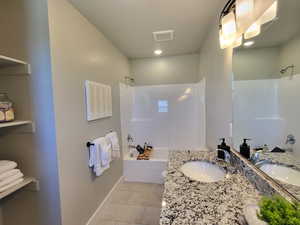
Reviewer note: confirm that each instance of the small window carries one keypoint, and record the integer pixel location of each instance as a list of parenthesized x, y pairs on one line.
[(163, 106)]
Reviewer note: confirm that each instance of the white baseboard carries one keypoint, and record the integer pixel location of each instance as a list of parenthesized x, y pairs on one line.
[(92, 220)]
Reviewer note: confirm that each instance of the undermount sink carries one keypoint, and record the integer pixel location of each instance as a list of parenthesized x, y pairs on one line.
[(202, 171), (282, 173)]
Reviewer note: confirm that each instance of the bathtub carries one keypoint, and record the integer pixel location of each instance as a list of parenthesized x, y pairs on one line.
[(146, 171)]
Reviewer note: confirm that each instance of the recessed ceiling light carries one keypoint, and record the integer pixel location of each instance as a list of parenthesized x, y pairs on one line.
[(158, 52), (248, 43)]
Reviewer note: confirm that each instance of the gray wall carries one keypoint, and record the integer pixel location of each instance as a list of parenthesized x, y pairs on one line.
[(24, 35), (166, 70), (290, 54), (80, 52), (256, 63), (215, 66)]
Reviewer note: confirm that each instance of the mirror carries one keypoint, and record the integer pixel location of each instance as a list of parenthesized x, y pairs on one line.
[(266, 97)]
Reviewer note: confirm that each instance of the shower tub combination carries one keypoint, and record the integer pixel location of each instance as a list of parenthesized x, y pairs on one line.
[(147, 171), (167, 116)]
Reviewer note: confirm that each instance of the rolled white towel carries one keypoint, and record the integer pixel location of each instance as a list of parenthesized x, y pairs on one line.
[(10, 185), (6, 165), (11, 179), (112, 138), (9, 173)]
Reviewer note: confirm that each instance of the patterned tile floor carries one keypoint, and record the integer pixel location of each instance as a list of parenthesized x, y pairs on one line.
[(133, 204)]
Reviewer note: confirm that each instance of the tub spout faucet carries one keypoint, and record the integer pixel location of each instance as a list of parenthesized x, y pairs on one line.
[(129, 138)]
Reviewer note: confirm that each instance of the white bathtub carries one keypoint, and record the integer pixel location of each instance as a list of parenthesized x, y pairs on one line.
[(147, 171)]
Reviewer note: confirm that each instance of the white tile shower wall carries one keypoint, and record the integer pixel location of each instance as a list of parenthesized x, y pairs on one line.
[(169, 116), (126, 105), (289, 96), (267, 111), (256, 112)]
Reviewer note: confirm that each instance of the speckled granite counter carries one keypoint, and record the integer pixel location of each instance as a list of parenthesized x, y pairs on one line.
[(188, 202), (287, 159)]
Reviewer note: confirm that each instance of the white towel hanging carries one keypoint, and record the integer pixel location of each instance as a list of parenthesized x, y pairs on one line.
[(112, 138), (100, 155)]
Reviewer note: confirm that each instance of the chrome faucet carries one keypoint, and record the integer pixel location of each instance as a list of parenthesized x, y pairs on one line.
[(255, 159), (227, 155), (129, 138)]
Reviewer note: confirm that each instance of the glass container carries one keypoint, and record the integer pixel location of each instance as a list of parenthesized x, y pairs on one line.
[(6, 109)]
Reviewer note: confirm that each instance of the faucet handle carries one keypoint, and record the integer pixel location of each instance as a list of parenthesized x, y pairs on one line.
[(290, 139)]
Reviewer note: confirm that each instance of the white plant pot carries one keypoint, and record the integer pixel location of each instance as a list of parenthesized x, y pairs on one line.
[(250, 213)]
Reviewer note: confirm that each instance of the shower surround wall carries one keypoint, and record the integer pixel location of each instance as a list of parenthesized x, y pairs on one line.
[(274, 114), (167, 116), (274, 95)]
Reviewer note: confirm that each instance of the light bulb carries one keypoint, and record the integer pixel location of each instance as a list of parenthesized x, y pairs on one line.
[(248, 43), (158, 52)]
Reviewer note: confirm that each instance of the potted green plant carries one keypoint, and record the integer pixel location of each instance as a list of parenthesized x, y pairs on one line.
[(276, 210)]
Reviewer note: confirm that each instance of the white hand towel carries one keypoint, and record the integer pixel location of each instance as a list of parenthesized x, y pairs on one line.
[(100, 156), (9, 173), (105, 150), (10, 185), (114, 141), (6, 165), (95, 159), (11, 179)]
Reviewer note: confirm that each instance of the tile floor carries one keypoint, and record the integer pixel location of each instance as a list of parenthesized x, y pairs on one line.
[(133, 204)]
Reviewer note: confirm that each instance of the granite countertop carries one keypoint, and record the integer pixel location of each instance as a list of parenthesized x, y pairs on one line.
[(188, 202), (284, 158), (288, 159)]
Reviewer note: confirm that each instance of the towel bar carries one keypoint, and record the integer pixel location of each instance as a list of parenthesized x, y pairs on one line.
[(89, 144)]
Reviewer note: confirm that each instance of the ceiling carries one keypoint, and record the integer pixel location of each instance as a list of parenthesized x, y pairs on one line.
[(129, 23)]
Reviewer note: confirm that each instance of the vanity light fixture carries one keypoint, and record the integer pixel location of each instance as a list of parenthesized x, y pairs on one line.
[(249, 43), (158, 52), (225, 42), (252, 31), (244, 11), (235, 19), (238, 42), (229, 26), (270, 14)]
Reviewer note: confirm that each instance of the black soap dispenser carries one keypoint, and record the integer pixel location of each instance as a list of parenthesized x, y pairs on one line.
[(245, 149), (223, 145), (222, 148)]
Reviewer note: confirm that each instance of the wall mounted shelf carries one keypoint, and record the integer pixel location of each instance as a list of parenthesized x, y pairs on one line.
[(26, 182), (19, 126), (11, 66), (15, 123)]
